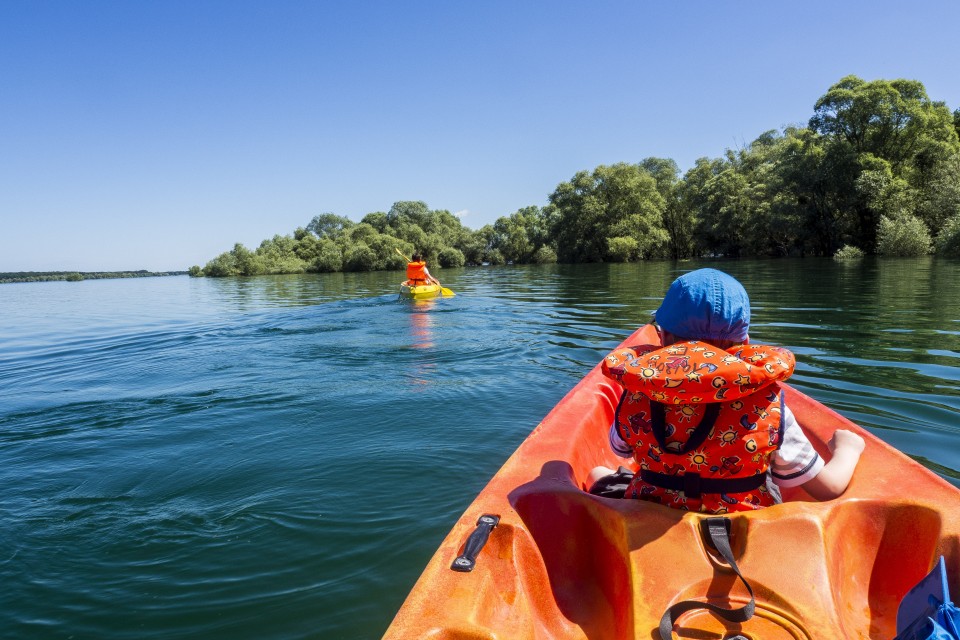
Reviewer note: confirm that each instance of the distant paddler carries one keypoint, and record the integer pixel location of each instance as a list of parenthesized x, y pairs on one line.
[(417, 272), (419, 275)]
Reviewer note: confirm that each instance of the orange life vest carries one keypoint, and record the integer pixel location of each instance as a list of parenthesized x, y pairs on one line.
[(417, 271), (702, 422)]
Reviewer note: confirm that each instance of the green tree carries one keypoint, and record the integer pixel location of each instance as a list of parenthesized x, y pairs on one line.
[(817, 180), (360, 233), (620, 200), (329, 225), (329, 257), (890, 121), (279, 255), (721, 222), (451, 257), (678, 219), (222, 266), (512, 235), (247, 262), (359, 257), (880, 191), (411, 234), (692, 197), (411, 212), (736, 217), (938, 199), (948, 240), (385, 248), (622, 249), (476, 245), (306, 246), (903, 236), (447, 225), (545, 255), (494, 257), (847, 253), (378, 220)]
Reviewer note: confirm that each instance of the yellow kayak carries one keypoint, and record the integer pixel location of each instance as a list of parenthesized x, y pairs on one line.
[(423, 291), (420, 291)]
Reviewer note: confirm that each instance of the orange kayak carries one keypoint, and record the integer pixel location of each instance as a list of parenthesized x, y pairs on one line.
[(557, 562)]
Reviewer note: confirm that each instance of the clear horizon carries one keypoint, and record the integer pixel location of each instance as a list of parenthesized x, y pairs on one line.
[(156, 135)]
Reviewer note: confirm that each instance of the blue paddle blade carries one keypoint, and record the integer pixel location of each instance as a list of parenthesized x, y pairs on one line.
[(948, 617), (926, 612), (925, 629)]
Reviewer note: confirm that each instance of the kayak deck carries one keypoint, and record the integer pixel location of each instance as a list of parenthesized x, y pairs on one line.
[(565, 564)]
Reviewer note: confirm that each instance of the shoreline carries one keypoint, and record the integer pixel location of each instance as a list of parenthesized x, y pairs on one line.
[(12, 277)]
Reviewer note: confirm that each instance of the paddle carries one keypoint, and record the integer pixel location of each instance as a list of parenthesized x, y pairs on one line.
[(447, 293)]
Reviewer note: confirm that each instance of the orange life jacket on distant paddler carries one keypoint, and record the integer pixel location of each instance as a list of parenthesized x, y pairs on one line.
[(417, 272), (702, 422)]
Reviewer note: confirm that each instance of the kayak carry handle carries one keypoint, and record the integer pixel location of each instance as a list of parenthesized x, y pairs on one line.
[(716, 534), (468, 560)]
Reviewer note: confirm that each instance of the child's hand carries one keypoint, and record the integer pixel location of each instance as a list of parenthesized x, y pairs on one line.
[(846, 440)]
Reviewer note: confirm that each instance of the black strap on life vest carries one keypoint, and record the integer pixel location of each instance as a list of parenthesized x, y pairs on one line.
[(693, 485), (716, 531), (658, 423), (690, 482)]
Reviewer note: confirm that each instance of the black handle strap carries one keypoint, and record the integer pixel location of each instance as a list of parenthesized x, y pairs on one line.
[(717, 532), (468, 559)]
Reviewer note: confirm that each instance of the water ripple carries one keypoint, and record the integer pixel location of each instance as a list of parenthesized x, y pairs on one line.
[(279, 456)]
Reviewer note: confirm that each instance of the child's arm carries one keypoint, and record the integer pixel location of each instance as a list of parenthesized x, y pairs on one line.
[(833, 479)]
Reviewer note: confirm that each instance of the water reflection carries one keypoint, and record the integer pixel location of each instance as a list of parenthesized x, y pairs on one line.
[(421, 323), (421, 326)]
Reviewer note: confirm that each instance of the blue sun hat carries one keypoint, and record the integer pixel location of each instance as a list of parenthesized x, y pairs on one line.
[(705, 304)]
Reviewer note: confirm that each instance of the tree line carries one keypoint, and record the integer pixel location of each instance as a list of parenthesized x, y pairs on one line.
[(77, 276), (875, 170)]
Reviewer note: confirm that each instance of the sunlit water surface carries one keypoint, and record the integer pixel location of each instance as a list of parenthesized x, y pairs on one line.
[(279, 456)]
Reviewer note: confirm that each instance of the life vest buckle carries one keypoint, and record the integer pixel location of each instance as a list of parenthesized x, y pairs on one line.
[(691, 485)]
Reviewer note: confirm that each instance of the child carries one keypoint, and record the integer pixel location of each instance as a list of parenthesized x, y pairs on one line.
[(417, 272), (704, 416)]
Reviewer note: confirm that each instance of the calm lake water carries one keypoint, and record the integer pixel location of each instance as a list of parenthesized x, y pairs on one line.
[(278, 457)]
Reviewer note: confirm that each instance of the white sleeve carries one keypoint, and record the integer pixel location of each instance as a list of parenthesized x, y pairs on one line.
[(619, 446), (796, 461)]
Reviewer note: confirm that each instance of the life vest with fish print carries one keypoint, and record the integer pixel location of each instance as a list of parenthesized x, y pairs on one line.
[(702, 422)]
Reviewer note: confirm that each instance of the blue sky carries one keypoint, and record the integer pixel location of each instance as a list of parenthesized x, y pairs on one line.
[(155, 135)]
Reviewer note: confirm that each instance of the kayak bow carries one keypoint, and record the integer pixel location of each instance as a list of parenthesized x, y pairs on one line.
[(539, 557)]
